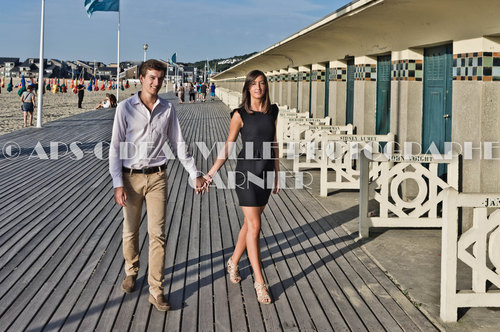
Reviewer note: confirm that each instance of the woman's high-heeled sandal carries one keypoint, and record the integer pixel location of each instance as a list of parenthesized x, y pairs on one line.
[(262, 293), (234, 274)]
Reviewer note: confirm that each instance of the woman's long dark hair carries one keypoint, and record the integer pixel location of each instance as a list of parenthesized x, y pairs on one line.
[(245, 94)]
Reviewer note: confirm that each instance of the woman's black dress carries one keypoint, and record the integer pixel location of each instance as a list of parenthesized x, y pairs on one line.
[(252, 170)]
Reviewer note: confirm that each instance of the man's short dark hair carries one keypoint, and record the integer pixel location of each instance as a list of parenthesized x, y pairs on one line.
[(151, 65)]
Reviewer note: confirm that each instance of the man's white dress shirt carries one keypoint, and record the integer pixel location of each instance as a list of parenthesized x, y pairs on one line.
[(139, 138)]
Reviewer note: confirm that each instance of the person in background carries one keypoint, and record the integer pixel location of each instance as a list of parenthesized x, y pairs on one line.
[(105, 103), (81, 92), (203, 90), (192, 93), (180, 93), (212, 92), (28, 100)]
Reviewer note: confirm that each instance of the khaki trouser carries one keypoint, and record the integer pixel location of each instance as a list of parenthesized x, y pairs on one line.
[(152, 188)]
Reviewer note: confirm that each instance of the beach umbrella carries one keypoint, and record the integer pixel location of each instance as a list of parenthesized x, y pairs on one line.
[(23, 82), (127, 85), (9, 86), (121, 86), (55, 88), (2, 85), (21, 90), (43, 91), (89, 87), (103, 87), (47, 87)]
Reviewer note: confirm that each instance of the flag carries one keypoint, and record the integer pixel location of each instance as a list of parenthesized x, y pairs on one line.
[(101, 6), (174, 57)]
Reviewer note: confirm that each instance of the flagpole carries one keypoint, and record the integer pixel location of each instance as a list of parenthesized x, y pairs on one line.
[(40, 71), (118, 59), (166, 87)]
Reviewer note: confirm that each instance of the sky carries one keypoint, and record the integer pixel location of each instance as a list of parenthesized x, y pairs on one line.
[(196, 30)]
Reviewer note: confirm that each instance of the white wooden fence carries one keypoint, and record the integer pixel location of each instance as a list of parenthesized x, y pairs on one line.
[(309, 149), (229, 97), (339, 155), (291, 127), (483, 259), (386, 187)]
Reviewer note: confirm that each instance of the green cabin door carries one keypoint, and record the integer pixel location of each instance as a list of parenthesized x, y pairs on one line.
[(383, 113), (436, 122), (349, 107)]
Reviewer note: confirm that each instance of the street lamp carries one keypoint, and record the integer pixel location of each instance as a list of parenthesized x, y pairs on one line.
[(145, 46)]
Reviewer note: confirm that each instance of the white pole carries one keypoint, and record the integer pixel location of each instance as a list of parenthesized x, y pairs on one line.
[(40, 72), (118, 59), (166, 87)]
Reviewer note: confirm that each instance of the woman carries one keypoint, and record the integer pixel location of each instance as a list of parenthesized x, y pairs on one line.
[(105, 103), (192, 93), (180, 93), (256, 120), (28, 100), (109, 101)]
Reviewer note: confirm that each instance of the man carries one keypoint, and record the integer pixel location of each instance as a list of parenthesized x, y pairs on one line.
[(203, 92), (142, 124), (81, 92), (212, 92)]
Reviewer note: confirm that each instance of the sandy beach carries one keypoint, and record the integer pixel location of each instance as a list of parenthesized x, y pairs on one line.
[(55, 106)]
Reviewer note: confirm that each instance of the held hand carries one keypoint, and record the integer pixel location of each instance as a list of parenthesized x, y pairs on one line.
[(208, 178), (200, 185), (120, 196)]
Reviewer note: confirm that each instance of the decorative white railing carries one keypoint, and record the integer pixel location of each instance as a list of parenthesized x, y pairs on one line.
[(339, 159), (399, 206), (282, 121), (292, 126), (478, 248), (309, 149)]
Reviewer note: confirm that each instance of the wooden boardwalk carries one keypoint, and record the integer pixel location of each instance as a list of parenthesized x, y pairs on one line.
[(61, 264)]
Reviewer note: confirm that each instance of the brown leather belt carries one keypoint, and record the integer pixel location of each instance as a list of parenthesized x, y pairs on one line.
[(146, 170)]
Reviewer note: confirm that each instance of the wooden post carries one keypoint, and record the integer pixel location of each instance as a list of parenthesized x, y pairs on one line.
[(363, 195), (449, 235)]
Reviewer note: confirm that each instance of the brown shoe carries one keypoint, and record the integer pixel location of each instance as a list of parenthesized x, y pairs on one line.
[(128, 284), (160, 303)]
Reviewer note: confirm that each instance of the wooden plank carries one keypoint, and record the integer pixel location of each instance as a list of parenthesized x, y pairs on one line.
[(189, 320), (180, 241), (310, 262), (74, 277), (348, 248), (400, 314), (367, 306), (35, 265)]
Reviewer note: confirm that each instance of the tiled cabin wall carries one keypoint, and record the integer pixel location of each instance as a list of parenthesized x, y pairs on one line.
[(365, 94), (337, 92)]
